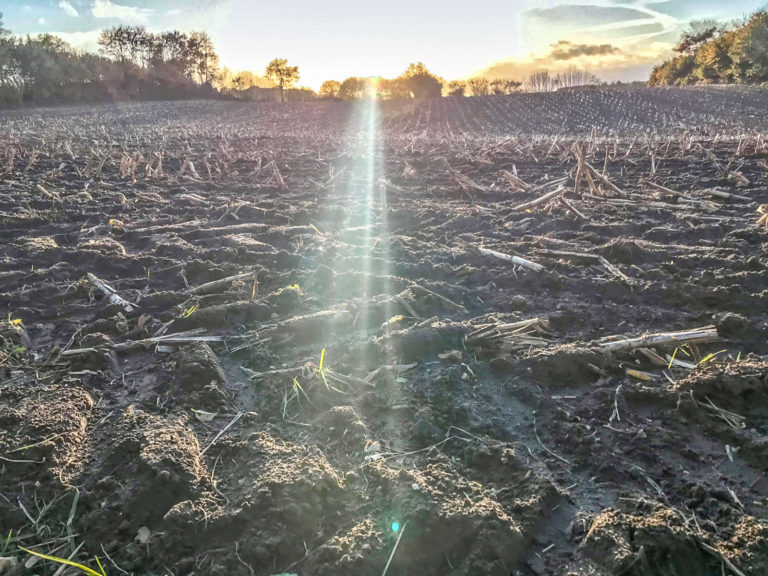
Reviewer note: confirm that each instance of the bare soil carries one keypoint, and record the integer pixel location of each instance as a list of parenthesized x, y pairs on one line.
[(341, 390)]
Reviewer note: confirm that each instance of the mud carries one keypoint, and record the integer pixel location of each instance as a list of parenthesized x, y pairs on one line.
[(338, 392)]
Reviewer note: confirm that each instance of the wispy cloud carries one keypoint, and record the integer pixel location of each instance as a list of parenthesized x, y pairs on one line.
[(108, 9), (621, 24), (69, 10)]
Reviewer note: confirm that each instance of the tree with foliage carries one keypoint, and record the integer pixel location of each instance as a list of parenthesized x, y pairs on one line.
[(47, 69), (204, 60), (173, 51), (504, 86), (245, 85), (114, 43), (353, 88), (692, 40), (497, 86), (330, 89), (133, 64), (713, 60), (421, 82), (732, 54), (243, 80), (675, 72), (143, 46), (479, 86), (457, 88), (9, 72), (416, 69), (283, 75), (749, 52), (394, 89)]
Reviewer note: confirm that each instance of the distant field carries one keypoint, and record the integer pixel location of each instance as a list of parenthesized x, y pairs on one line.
[(621, 110), (263, 339)]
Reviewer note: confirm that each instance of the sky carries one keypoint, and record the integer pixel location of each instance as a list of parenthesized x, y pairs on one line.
[(335, 39)]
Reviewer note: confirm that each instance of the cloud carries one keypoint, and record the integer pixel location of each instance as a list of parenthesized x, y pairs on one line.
[(610, 63), (69, 10), (108, 9), (566, 51), (41, 21), (87, 41)]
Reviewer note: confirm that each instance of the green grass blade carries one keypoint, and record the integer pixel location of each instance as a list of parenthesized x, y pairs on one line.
[(85, 569)]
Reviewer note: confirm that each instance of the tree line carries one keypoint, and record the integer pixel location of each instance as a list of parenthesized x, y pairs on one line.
[(133, 63), (418, 82), (718, 54)]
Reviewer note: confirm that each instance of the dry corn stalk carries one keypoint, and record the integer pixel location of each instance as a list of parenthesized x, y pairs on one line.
[(218, 285), (585, 170), (517, 260), (590, 258), (277, 176), (110, 293), (694, 336), (178, 338), (512, 335), (515, 181), (464, 182), (541, 199), (763, 219)]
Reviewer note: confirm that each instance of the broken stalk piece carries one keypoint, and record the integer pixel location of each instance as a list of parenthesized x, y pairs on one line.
[(187, 337), (590, 258), (110, 293), (541, 200), (216, 285), (511, 335), (517, 260)]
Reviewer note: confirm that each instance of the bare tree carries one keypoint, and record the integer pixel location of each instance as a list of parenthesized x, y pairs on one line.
[(541, 81), (572, 77)]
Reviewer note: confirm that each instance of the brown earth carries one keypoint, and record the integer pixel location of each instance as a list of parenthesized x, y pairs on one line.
[(361, 225)]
